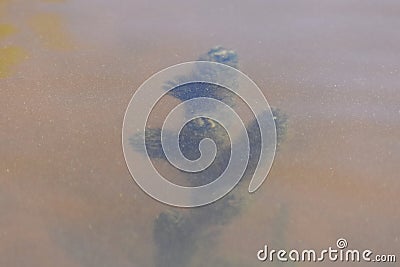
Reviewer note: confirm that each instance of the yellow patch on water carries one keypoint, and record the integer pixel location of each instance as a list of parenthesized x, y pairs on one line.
[(9, 57), (6, 30), (51, 30)]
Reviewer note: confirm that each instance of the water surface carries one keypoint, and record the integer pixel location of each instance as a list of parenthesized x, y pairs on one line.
[(69, 68)]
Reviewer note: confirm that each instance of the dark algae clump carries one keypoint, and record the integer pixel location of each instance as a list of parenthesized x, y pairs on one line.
[(179, 233)]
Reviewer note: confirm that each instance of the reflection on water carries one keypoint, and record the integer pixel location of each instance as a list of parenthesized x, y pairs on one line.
[(48, 27), (6, 29), (66, 198), (10, 56)]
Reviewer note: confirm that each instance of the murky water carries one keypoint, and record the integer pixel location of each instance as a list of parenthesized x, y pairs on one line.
[(69, 68)]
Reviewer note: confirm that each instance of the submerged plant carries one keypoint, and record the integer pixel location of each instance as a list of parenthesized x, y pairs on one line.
[(178, 232)]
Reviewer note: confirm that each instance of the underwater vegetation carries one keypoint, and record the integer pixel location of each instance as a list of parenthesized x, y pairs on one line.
[(179, 233)]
